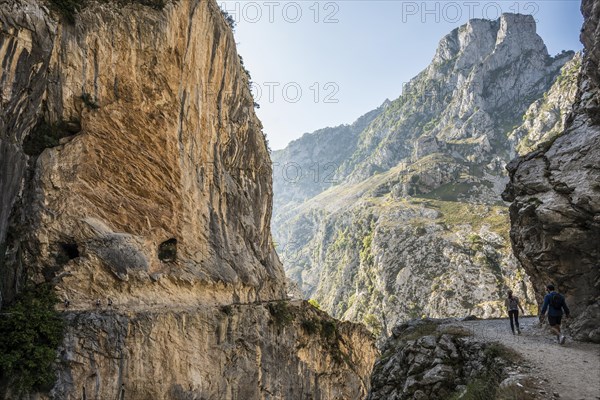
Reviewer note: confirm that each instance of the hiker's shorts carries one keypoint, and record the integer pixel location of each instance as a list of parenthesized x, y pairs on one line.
[(553, 321)]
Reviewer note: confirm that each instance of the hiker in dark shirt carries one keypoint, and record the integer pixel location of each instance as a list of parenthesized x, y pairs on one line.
[(555, 303), (513, 304)]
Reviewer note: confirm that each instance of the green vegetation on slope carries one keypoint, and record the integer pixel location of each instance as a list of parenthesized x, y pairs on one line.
[(30, 333), (455, 213), (487, 385), (69, 8)]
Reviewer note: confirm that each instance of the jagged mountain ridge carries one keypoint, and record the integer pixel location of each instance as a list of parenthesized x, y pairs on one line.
[(480, 69), (417, 221), (314, 171)]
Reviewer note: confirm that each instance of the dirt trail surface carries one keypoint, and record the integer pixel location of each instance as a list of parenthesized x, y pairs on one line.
[(572, 370)]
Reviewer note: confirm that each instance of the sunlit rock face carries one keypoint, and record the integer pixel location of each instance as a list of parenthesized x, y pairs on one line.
[(161, 142), (555, 194), (133, 167)]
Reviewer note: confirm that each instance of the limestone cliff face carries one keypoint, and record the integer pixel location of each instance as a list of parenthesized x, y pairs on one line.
[(133, 167), (555, 191), (167, 148)]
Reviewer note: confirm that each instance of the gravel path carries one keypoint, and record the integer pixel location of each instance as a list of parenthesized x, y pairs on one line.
[(571, 370)]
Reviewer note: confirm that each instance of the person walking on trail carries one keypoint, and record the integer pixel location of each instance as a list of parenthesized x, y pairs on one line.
[(512, 305), (555, 303)]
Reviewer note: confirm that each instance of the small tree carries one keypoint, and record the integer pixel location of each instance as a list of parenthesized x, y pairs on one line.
[(30, 332)]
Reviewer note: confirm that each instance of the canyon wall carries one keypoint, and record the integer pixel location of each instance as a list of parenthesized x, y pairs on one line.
[(133, 168)]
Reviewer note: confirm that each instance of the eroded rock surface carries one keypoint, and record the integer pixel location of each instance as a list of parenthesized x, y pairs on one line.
[(256, 351)]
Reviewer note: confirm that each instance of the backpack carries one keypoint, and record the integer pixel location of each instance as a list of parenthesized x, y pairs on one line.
[(513, 303), (556, 301)]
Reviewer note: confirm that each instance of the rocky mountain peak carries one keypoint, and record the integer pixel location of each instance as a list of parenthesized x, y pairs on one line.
[(479, 38), (519, 30), (484, 76)]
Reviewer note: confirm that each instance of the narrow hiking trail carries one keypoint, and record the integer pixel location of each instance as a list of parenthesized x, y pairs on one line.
[(572, 370)]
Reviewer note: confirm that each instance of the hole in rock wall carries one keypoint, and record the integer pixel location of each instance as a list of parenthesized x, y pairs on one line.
[(63, 253), (46, 135), (70, 250), (167, 250)]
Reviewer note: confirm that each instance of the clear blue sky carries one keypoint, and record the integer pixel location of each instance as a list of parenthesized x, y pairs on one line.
[(325, 63)]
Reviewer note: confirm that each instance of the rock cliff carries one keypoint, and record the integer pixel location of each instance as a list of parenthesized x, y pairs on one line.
[(413, 223), (133, 167), (555, 194)]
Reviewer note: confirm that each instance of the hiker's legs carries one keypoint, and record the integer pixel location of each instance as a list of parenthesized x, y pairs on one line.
[(510, 317), (517, 320), (554, 323)]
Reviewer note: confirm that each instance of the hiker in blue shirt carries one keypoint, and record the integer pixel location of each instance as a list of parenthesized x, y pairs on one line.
[(555, 303)]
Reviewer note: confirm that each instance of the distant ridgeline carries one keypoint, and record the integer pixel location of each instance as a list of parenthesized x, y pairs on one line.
[(399, 215)]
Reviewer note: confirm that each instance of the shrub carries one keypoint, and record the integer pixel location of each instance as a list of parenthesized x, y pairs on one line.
[(424, 328), (329, 330), (372, 322), (494, 350), (486, 386), (30, 332), (281, 313), (69, 8), (314, 303), (229, 19), (311, 326)]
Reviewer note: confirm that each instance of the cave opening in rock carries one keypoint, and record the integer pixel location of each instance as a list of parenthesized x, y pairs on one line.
[(47, 135), (167, 250), (70, 250)]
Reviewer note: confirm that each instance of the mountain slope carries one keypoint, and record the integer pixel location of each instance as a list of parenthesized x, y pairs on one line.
[(546, 118), (307, 166), (416, 225)]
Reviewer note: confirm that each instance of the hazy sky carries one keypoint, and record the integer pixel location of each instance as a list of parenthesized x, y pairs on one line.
[(325, 63)]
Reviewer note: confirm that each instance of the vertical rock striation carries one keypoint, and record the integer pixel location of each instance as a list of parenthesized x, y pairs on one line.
[(555, 194), (160, 143), (133, 167)]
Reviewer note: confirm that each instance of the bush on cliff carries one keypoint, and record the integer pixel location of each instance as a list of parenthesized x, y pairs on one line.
[(69, 8), (30, 332)]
